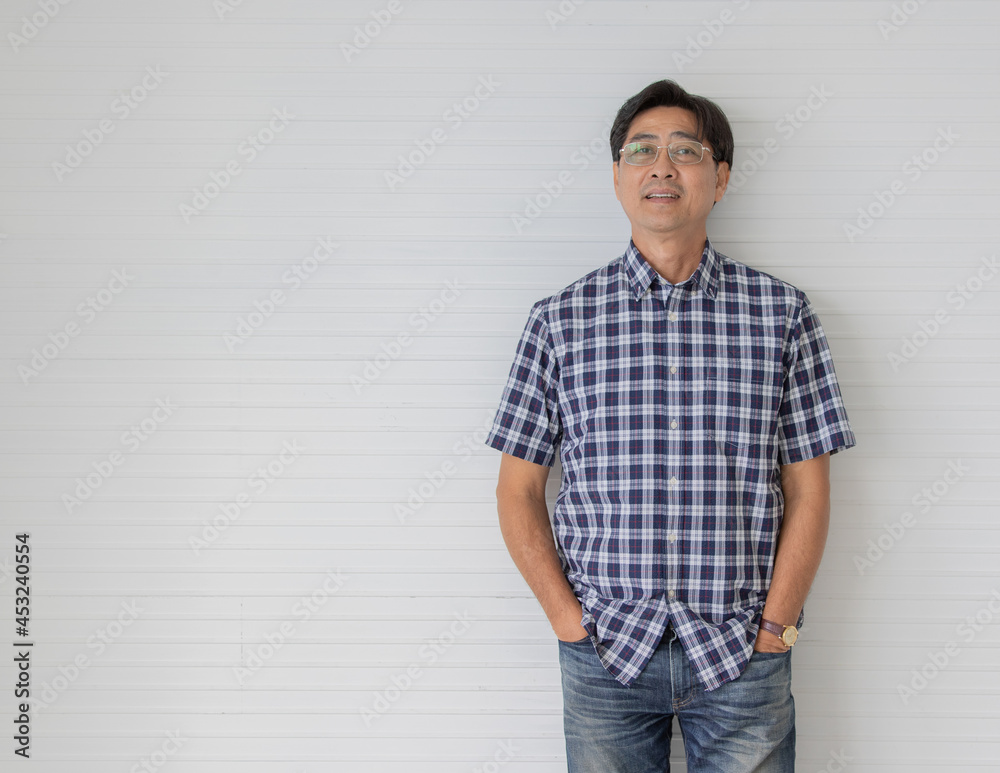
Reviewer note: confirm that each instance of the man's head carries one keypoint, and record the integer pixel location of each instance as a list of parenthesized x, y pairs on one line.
[(668, 190)]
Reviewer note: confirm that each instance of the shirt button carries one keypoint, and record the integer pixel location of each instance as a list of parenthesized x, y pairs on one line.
[(673, 424), (670, 593), (673, 368), (672, 482), (672, 316), (672, 538)]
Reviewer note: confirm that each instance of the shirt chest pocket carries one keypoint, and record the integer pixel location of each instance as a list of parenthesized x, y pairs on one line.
[(739, 408)]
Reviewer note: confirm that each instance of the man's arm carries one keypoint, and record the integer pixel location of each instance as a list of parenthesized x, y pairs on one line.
[(806, 488), (524, 523)]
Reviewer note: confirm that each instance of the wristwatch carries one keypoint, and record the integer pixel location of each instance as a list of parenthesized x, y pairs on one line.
[(787, 633)]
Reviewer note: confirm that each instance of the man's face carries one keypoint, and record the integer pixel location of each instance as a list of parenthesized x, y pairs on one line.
[(665, 197)]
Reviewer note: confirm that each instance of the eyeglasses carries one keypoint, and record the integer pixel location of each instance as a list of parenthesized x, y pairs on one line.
[(646, 153)]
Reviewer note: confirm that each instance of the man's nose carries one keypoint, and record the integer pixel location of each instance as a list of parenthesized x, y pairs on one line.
[(663, 166)]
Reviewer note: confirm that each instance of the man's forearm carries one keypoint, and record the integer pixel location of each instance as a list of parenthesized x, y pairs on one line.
[(524, 523), (801, 539), (800, 550)]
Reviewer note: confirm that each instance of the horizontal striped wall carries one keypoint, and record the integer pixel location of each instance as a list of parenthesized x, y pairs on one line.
[(263, 267)]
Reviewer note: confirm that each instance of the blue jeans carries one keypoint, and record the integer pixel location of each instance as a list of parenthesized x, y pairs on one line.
[(745, 726)]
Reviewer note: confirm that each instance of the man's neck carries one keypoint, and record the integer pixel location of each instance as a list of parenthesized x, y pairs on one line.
[(673, 257)]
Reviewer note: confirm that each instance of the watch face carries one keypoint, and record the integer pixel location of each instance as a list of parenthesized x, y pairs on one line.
[(790, 635)]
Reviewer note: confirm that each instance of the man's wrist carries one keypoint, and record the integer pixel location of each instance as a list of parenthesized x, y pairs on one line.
[(568, 622), (783, 614), (786, 633)]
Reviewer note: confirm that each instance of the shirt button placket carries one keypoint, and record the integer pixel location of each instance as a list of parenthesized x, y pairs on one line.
[(673, 403)]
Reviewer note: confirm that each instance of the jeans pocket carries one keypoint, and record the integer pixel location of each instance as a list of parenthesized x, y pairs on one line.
[(768, 655)]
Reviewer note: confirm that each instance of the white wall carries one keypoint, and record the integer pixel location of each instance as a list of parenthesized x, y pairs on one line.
[(332, 515)]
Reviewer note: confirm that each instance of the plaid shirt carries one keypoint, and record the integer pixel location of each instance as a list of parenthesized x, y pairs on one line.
[(672, 407)]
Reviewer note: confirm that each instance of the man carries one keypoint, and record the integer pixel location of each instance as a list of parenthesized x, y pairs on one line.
[(694, 406)]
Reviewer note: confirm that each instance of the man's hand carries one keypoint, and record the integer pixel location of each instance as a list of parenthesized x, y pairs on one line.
[(768, 642), (568, 628)]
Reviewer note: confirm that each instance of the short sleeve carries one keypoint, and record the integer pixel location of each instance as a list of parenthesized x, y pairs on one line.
[(527, 423), (812, 419)]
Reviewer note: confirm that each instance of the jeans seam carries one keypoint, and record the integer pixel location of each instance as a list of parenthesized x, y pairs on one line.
[(676, 703)]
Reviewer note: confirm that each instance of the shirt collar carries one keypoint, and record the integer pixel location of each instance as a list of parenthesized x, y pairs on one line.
[(641, 275)]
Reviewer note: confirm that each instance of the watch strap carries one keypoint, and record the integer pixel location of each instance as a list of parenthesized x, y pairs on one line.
[(776, 628), (780, 630)]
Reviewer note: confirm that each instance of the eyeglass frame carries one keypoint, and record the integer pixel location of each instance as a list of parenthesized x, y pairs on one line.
[(667, 148)]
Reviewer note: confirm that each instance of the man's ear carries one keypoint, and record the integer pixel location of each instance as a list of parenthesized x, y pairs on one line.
[(615, 169), (721, 179)]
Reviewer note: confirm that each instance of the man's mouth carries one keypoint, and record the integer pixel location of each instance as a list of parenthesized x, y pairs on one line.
[(662, 196)]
